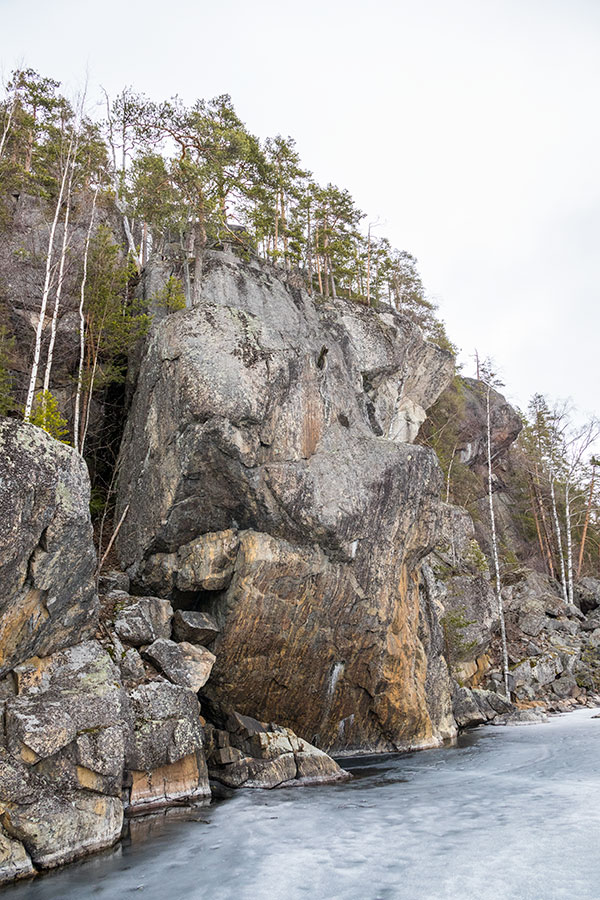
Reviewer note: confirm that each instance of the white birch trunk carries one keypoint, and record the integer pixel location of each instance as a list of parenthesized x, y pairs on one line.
[(61, 275), (495, 549), (6, 128), (77, 413), (563, 578), (61, 269), (569, 542), (45, 292)]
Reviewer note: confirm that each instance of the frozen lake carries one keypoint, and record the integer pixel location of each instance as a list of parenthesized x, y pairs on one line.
[(510, 813)]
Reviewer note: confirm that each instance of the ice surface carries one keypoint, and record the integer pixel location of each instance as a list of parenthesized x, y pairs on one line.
[(511, 814)]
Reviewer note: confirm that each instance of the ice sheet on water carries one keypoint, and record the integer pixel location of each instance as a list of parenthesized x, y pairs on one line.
[(511, 814)]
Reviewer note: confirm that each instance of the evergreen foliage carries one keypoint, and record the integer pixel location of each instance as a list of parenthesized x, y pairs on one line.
[(46, 415), (454, 623), (171, 297), (6, 393)]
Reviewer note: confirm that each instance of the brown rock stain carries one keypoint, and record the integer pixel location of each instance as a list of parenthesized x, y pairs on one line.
[(179, 779), (23, 617)]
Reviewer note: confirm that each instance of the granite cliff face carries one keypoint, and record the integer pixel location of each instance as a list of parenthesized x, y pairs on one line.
[(269, 480)]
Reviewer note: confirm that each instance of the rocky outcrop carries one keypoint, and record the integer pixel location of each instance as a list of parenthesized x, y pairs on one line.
[(456, 578), (23, 248), (505, 424), (61, 702), (62, 763), (270, 485), (99, 716), (246, 753), (480, 707), (47, 559)]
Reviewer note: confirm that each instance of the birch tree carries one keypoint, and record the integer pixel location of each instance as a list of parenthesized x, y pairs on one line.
[(489, 379), (77, 412), (577, 443), (71, 162), (46, 288)]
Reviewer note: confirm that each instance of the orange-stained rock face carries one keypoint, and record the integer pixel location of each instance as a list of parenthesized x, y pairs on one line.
[(303, 643), (185, 779)]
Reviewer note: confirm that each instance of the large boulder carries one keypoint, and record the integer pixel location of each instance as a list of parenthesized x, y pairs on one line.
[(182, 663), (455, 580), (251, 754), (588, 594), (47, 559), (166, 725), (270, 485), (61, 771), (141, 621)]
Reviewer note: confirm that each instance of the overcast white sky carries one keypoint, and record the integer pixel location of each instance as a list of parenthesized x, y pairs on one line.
[(468, 128)]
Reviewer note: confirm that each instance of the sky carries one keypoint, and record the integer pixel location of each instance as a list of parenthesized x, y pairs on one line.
[(467, 130)]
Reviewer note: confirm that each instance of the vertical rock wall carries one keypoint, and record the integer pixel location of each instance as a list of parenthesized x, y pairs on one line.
[(269, 481)]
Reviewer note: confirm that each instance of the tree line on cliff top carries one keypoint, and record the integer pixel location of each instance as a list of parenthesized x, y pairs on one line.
[(180, 178), (192, 175)]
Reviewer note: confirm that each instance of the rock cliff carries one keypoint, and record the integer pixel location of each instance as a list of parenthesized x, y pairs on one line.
[(286, 558), (99, 714), (269, 480)]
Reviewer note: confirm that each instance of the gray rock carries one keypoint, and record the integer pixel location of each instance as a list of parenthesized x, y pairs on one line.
[(184, 663), (47, 558), (532, 625), (102, 750), (75, 690), (57, 830), (206, 564), (183, 781), (588, 594), (520, 717), (144, 620), (43, 727), (505, 423), (166, 725), (574, 612), (68, 723), (540, 670), (259, 755), (113, 580), (195, 627), (476, 707), (14, 860), (566, 686), (132, 667), (533, 595), (470, 599), (238, 431), (270, 773)]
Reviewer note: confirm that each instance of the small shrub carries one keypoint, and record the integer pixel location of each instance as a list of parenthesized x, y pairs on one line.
[(46, 414), (172, 296), (475, 558), (453, 625)]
